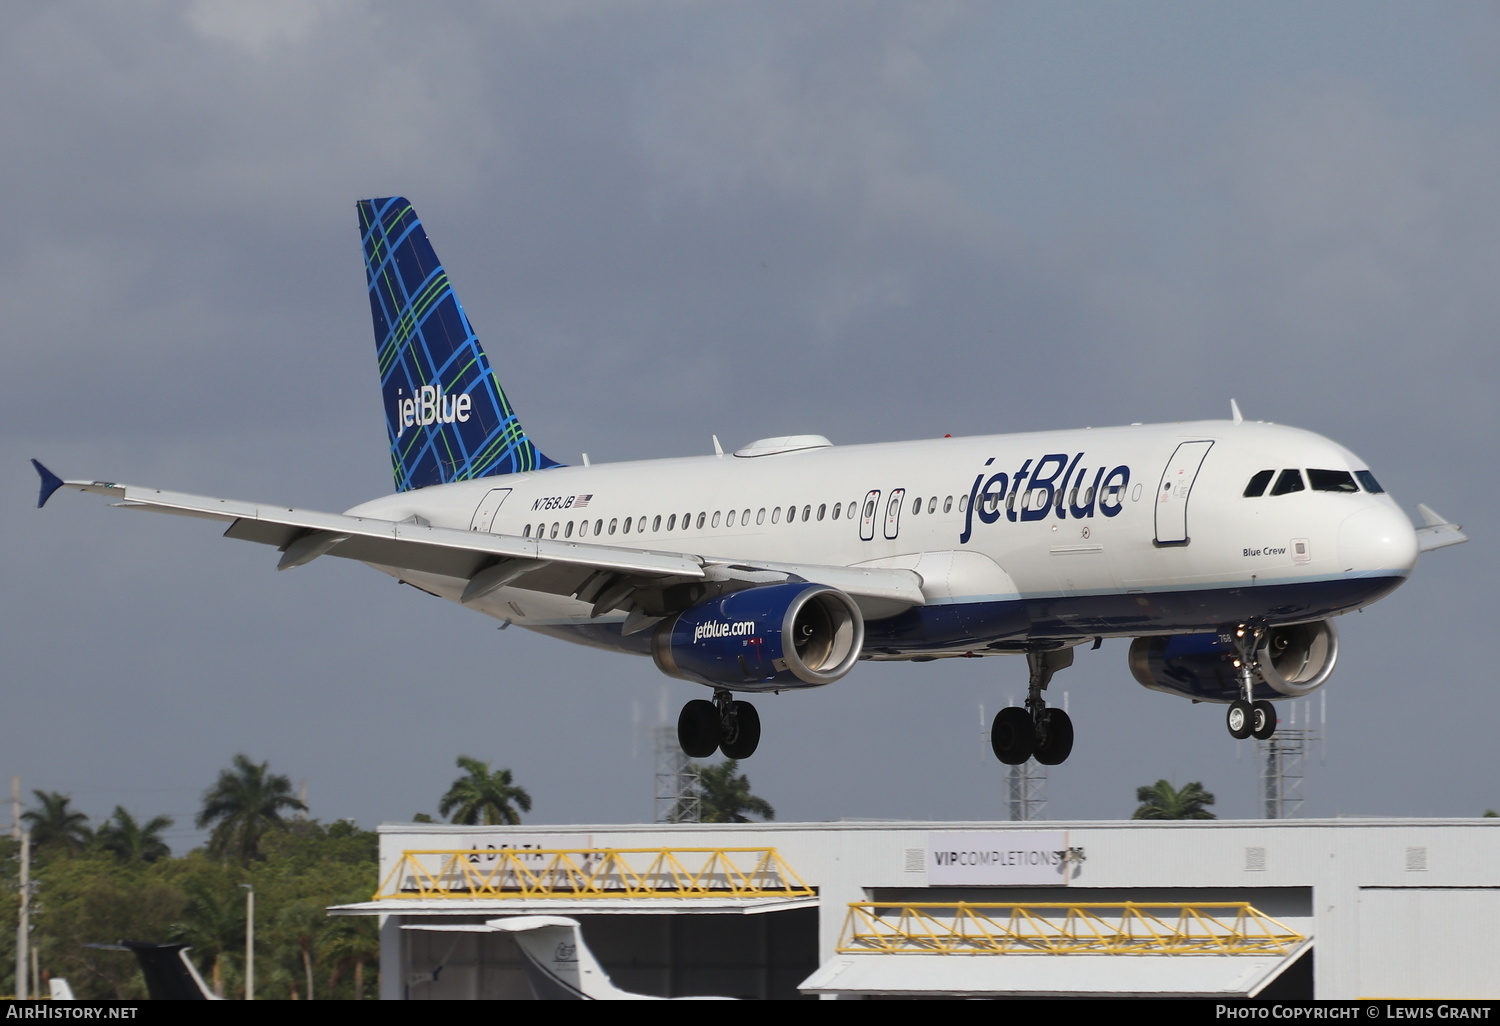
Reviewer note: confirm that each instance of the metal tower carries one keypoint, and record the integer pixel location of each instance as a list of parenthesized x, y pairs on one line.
[(1026, 788), (676, 781), (1283, 763)]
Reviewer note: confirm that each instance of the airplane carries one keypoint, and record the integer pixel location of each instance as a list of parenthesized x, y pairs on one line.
[(558, 963), (169, 974), (1222, 548)]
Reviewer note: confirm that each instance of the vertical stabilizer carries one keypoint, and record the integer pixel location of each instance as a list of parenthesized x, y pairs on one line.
[(559, 964), (446, 414)]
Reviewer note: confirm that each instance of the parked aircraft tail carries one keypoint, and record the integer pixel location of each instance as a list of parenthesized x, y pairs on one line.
[(169, 975), (447, 415)]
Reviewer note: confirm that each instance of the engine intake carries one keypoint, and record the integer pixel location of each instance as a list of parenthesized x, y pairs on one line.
[(1295, 659), (774, 636)]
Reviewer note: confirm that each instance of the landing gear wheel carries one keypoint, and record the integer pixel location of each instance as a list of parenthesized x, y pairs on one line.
[(698, 729), (1262, 720), (1241, 719), (1012, 736), (1057, 743), (740, 740)]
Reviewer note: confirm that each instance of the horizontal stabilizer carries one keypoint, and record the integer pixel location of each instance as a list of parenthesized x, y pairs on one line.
[(1435, 532)]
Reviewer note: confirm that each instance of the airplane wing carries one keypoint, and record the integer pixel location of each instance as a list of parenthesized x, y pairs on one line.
[(603, 574), (1435, 532)]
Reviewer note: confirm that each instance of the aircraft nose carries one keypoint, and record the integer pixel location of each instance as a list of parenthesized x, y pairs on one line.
[(1378, 538)]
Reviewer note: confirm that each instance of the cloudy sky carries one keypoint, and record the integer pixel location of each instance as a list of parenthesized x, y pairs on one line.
[(673, 219)]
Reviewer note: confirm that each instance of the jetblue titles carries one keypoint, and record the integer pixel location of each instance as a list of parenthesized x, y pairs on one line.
[(1055, 485), (431, 406)]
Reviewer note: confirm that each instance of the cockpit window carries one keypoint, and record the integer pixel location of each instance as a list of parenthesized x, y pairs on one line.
[(1257, 486), (1289, 481), (1331, 481), (1368, 480)]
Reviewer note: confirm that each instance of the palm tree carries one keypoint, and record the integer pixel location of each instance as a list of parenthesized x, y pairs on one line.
[(130, 841), (243, 806), (54, 825), (214, 924), (483, 797), (724, 795), (1162, 801)]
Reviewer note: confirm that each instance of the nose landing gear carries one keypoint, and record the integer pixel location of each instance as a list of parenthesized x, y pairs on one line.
[(1035, 731), (1247, 715), (721, 725)]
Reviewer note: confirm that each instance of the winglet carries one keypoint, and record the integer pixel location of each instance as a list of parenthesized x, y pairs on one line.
[(50, 483), (1234, 411), (1435, 532)]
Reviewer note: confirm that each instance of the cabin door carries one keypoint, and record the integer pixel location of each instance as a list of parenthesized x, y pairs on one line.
[(1173, 492), (484, 516)]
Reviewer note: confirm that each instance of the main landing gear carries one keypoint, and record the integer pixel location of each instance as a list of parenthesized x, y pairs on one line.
[(1248, 716), (721, 725), (1035, 731)]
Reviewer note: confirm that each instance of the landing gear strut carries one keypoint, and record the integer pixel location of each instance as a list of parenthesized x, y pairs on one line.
[(1247, 715), (706, 727), (1035, 731)]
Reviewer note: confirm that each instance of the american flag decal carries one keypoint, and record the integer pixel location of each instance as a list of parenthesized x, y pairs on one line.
[(581, 501)]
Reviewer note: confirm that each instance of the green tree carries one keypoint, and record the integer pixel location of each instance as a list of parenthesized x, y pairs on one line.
[(130, 841), (1163, 801), (54, 825), (213, 922), (724, 795), (484, 796), (243, 807)]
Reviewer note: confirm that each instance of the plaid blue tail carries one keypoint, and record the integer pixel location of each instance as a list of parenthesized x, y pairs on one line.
[(447, 415)]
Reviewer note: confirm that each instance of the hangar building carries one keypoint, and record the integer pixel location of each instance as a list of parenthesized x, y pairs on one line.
[(1314, 908)]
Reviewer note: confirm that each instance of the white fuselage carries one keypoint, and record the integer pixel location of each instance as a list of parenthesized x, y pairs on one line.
[(1063, 535)]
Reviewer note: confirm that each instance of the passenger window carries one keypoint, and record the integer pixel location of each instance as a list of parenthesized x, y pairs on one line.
[(583, 529), (822, 509), (916, 506), (948, 504), (555, 527), (614, 522), (526, 531), (656, 522), (1289, 481), (744, 518), (836, 507), (806, 513), (701, 517), (776, 515), (687, 519), (598, 527), (729, 520), (1331, 481), (1257, 486), (672, 522), (1368, 480), (870, 509), (963, 503), (932, 504), (760, 516), (627, 525), (716, 518), (568, 531), (791, 514)]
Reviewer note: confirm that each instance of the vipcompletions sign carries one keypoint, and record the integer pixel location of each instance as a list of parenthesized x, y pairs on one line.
[(997, 858)]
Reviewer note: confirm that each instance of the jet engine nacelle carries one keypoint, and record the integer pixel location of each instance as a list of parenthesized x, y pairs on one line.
[(1295, 659), (766, 638)]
